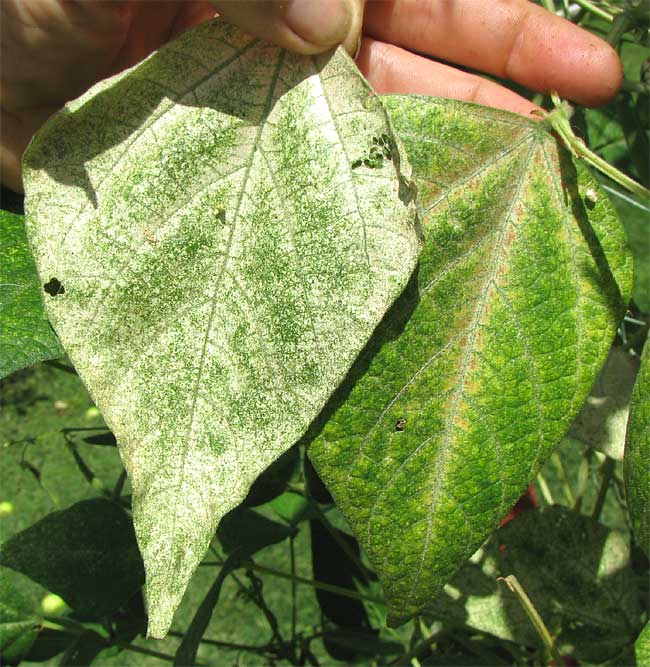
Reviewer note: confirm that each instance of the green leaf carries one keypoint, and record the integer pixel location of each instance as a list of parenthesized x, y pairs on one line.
[(293, 508), (481, 365), (245, 531), (642, 647), (587, 596), (25, 334), (637, 455), (602, 420), (87, 554), (635, 215), (228, 222), (19, 619)]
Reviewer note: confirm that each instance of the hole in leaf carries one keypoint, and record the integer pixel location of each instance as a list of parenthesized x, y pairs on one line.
[(54, 287)]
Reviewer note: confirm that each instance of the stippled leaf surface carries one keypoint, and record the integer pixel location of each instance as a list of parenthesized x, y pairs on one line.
[(228, 223), (25, 334), (637, 454), (477, 371), (642, 647)]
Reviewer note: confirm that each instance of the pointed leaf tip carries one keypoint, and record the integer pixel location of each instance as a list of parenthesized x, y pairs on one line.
[(479, 368), (230, 222)]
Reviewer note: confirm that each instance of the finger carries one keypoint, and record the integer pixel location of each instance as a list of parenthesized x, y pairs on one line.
[(50, 46), (392, 70), (303, 26), (512, 39)]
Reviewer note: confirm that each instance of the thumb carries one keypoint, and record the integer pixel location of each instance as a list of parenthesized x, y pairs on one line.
[(303, 26)]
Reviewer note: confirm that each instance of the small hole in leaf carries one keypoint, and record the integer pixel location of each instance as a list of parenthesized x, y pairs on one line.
[(54, 287), (401, 423)]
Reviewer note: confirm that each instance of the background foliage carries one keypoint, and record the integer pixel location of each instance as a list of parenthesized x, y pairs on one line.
[(300, 591)]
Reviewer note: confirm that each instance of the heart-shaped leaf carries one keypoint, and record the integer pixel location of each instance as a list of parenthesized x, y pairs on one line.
[(227, 223), (25, 334), (637, 454), (479, 368)]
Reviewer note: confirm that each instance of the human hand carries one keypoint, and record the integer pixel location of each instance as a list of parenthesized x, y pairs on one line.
[(53, 50)]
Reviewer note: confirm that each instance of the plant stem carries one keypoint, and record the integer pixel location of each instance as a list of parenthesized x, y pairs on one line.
[(65, 622), (513, 584), (294, 609), (558, 121), (125, 646), (590, 7), (420, 648), (75, 628), (226, 645), (331, 588), (545, 490), (583, 478), (624, 197), (557, 462), (607, 471), (334, 534), (119, 485)]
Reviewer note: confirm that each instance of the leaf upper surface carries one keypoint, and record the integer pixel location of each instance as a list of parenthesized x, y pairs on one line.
[(637, 454), (25, 334), (229, 222), (479, 368)]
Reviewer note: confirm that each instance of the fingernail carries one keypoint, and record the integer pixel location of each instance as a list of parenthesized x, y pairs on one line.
[(319, 22)]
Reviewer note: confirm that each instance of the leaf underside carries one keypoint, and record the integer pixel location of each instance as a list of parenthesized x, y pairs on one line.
[(479, 368), (229, 222), (637, 455), (25, 334)]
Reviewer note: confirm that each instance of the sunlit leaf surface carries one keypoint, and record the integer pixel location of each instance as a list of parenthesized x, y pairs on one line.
[(481, 365), (25, 334), (222, 229)]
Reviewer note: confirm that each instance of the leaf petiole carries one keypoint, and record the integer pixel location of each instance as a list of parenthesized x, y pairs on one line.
[(513, 584), (559, 121)]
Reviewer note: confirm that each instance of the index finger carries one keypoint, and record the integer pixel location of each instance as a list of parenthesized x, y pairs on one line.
[(512, 39)]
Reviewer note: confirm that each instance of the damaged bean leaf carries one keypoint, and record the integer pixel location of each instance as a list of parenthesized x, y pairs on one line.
[(223, 265)]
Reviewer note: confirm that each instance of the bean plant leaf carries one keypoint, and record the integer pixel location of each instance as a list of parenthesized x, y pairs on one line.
[(637, 455), (19, 617), (25, 334), (86, 554), (588, 598), (479, 368), (642, 647), (221, 229)]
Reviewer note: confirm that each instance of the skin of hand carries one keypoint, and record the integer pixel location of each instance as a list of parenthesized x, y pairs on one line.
[(54, 50)]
